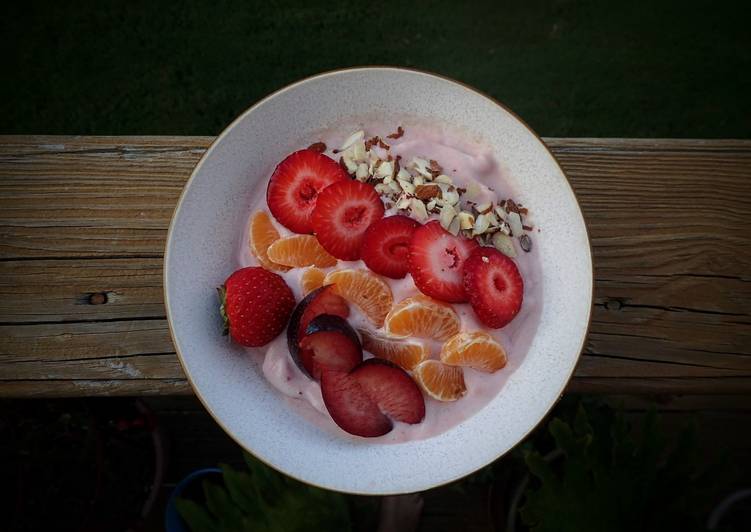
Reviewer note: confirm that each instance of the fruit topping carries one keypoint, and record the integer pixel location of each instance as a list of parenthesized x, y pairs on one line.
[(404, 353), (423, 317), (366, 290), (256, 305), (329, 344), (440, 381), (342, 214), (385, 247), (299, 251), (320, 301), (366, 400), (477, 350), (311, 279), (494, 286), (436, 261), (262, 235), (295, 185)]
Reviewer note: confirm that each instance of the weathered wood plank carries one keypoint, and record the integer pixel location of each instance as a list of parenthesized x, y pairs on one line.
[(88, 216)]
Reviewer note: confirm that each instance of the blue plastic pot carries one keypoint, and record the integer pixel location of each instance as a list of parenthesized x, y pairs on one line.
[(172, 520)]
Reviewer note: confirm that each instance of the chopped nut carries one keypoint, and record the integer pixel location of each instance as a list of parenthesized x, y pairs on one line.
[(511, 206), (406, 186), (483, 208), (448, 213), (380, 188), (399, 133), (319, 147), (418, 180), (384, 169), (358, 151), (403, 174), (354, 137), (431, 205), (387, 180), (505, 228), (426, 192), (349, 162), (466, 220), (418, 210), (526, 243), (383, 144), (395, 187), (374, 164), (403, 202), (492, 219), (504, 244), (362, 172), (481, 225), (435, 168), (454, 226), (515, 221), (443, 178), (420, 166), (372, 142), (451, 197), (500, 212)]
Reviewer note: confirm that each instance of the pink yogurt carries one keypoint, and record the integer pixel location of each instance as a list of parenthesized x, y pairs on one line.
[(471, 166)]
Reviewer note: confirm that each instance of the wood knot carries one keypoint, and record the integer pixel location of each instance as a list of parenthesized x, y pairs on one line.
[(98, 298), (613, 304)]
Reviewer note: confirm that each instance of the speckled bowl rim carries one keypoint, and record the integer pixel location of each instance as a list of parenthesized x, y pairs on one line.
[(258, 104)]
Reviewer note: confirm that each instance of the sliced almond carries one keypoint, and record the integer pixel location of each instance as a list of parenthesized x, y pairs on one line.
[(500, 212), (354, 137), (362, 172), (420, 166), (388, 179), (381, 188), (466, 220), (426, 192), (418, 210), (454, 226), (431, 205), (349, 162), (451, 197), (406, 186), (515, 221), (481, 225), (403, 202), (358, 152), (418, 180), (403, 174), (386, 168), (443, 178), (504, 244), (395, 186), (492, 219), (483, 208), (448, 213)]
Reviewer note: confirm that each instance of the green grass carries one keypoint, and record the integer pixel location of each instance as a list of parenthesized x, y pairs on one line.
[(570, 68)]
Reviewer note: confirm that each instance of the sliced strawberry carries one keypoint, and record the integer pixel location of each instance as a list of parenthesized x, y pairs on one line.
[(333, 344), (320, 301), (295, 185), (342, 214), (494, 285), (385, 246), (436, 258), (396, 394), (350, 407)]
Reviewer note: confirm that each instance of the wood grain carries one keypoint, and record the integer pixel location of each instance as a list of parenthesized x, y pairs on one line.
[(83, 221)]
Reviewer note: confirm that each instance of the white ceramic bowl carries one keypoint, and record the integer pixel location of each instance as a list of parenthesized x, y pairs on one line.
[(202, 251)]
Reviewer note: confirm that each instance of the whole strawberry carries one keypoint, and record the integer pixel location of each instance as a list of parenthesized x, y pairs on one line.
[(256, 305)]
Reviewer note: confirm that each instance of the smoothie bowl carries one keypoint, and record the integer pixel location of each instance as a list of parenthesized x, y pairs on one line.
[(404, 276)]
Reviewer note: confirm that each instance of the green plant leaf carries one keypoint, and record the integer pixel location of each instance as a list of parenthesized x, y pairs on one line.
[(221, 506), (195, 515)]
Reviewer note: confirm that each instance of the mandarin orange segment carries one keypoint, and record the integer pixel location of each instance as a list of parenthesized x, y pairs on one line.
[(406, 354), (364, 289), (423, 317), (299, 251), (262, 235), (311, 279), (477, 350), (440, 381)]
